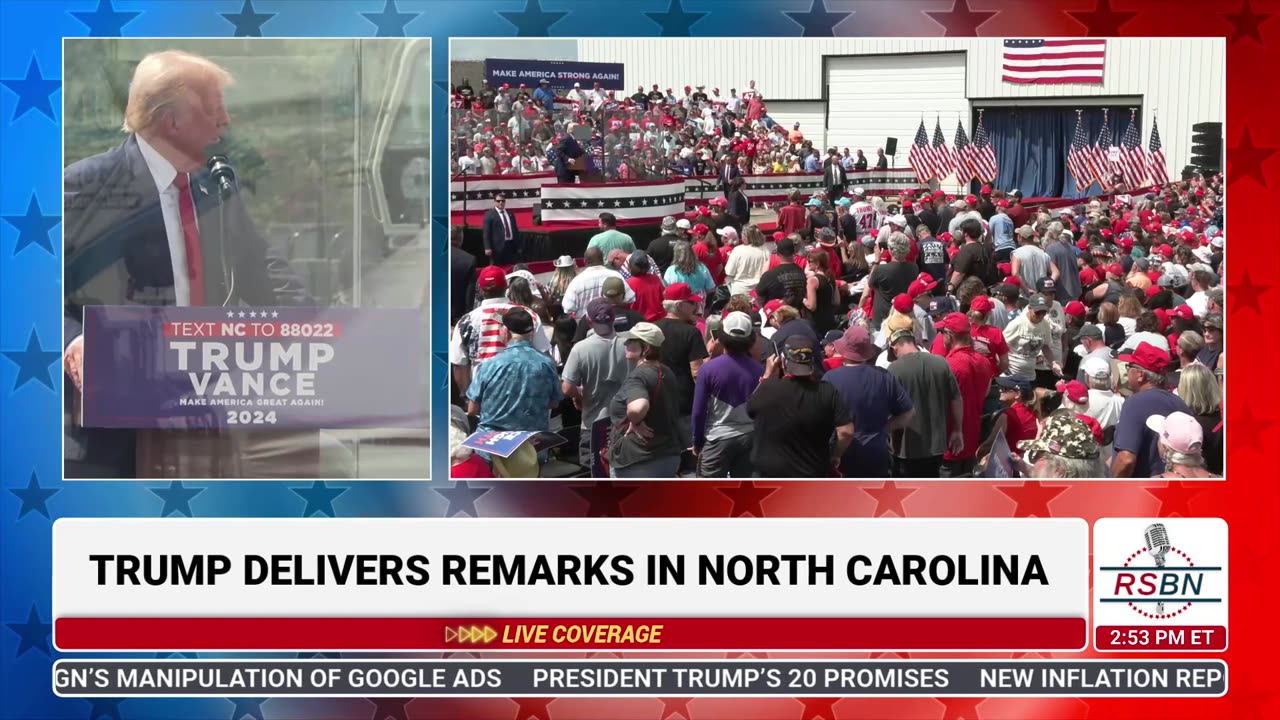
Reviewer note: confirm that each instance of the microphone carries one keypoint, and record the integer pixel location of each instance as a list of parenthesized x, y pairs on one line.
[(223, 174), (1157, 539)]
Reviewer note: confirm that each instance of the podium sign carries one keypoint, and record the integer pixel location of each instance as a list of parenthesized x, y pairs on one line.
[(188, 368)]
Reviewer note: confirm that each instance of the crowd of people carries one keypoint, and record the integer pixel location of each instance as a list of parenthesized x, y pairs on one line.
[(920, 336), (644, 135)]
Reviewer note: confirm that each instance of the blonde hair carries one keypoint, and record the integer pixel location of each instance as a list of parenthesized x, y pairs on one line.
[(164, 78), (1198, 388)]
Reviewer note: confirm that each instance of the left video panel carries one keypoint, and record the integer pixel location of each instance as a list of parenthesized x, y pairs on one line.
[(246, 258)]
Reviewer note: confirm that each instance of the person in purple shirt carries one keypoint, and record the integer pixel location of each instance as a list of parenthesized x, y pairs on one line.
[(722, 431), (877, 402)]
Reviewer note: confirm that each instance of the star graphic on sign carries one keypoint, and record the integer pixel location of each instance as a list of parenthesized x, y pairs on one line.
[(583, 203), (319, 498), (33, 497), (1245, 23), (33, 92), (247, 22), (462, 498), (1246, 158), (604, 499), (390, 708), (390, 22), (247, 707), (675, 21), (675, 708), (1247, 428), (33, 227), (960, 21), (1032, 498), (617, 203), (231, 313), (32, 634), (33, 362), (177, 498), (104, 707), (1102, 21), (817, 22), (747, 498), (962, 708), (633, 203), (889, 498), (105, 21), (534, 21), (818, 708), (241, 313), (1175, 498), (1246, 294), (253, 314), (532, 708)]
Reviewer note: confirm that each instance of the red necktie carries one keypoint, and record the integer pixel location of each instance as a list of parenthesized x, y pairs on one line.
[(191, 239)]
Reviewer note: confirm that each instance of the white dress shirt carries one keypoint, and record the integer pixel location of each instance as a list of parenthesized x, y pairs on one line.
[(163, 172)]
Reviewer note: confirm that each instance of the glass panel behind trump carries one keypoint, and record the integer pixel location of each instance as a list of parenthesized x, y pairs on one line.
[(251, 176)]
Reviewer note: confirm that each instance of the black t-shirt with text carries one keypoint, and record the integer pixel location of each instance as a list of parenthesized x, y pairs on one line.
[(933, 258), (786, 282), (794, 420)]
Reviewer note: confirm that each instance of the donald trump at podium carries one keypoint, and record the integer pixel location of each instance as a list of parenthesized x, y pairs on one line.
[(146, 224)]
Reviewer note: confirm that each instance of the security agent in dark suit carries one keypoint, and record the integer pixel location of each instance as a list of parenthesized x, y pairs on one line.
[(728, 173), (739, 203), (833, 176), (502, 243), (462, 277), (122, 232)]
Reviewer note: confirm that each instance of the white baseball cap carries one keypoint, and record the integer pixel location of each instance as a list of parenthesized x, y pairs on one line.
[(737, 324), (683, 224), (859, 192), (1096, 367)]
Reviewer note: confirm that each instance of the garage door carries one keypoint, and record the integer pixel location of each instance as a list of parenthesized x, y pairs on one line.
[(872, 97), (810, 115)]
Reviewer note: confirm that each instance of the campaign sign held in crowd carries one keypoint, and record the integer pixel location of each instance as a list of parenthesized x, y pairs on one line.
[(214, 367)]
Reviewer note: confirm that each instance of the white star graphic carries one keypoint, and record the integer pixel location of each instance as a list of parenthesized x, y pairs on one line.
[(633, 203), (253, 314), (231, 313), (241, 313), (275, 314), (584, 203), (617, 203)]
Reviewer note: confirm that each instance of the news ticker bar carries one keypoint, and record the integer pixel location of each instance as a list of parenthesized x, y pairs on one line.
[(559, 678)]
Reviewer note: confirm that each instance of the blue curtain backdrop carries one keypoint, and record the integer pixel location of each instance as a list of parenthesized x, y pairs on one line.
[(1031, 145)]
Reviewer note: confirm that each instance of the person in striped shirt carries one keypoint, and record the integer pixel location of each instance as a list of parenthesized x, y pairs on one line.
[(479, 335), (587, 285)]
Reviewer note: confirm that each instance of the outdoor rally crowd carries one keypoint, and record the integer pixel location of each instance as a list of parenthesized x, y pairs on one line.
[(647, 135), (923, 336)]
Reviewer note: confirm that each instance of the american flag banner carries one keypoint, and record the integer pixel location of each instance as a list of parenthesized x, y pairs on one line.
[(942, 160), (984, 154), (963, 154), (1078, 156), (1055, 61), (920, 155), (1133, 161), (1155, 156), (1101, 165)]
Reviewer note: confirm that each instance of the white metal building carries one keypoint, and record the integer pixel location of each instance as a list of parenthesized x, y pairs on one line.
[(856, 92)]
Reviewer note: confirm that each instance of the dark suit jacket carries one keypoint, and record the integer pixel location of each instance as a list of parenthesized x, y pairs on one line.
[(834, 175), (495, 236), (740, 208), (720, 178), (462, 279), (116, 252)]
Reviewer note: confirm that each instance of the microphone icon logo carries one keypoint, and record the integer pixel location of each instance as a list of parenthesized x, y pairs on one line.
[(1156, 537)]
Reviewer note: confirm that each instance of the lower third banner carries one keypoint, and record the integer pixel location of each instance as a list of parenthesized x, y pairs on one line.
[(213, 367)]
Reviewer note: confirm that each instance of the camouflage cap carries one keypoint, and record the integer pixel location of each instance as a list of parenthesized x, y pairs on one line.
[(1063, 436)]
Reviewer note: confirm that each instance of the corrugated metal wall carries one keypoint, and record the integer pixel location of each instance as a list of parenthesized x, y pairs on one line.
[(1180, 81)]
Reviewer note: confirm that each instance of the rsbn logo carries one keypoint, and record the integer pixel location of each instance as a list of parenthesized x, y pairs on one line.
[(1158, 580)]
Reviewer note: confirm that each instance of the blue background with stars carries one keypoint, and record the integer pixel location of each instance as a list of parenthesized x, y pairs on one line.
[(33, 495)]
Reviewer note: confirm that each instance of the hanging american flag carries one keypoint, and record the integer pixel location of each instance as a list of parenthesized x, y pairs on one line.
[(984, 155), (1133, 162), (963, 152), (1099, 162), (920, 154), (1054, 61), (942, 160), (1155, 157), (1078, 156)]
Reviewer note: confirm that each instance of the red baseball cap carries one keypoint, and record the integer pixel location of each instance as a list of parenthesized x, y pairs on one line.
[(1011, 280), (1105, 232), (902, 303), (953, 322), (1087, 277), (919, 287), (937, 194), (986, 190), (700, 229), (1004, 268), (1075, 391), (680, 292), (1148, 357), (778, 236), (1002, 203), (906, 205), (1182, 311), (491, 277), (1083, 243), (770, 308), (1115, 269), (1163, 316), (944, 236), (1153, 290), (1075, 308), (1126, 243), (971, 199), (981, 304)]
